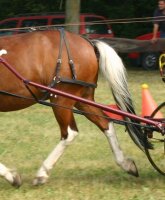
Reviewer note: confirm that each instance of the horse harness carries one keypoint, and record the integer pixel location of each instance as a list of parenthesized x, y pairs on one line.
[(57, 78)]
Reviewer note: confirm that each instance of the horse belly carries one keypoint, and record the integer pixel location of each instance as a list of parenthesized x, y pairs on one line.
[(13, 103)]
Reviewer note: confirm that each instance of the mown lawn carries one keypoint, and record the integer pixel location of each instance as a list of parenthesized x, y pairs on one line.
[(87, 169)]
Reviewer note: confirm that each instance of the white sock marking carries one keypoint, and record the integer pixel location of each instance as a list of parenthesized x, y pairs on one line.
[(6, 173), (56, 154), (112, 139)]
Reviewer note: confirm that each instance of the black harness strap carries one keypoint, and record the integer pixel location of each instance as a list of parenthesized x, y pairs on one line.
[(59, 59), (14, 95), (57, 78), (78, 82), (71, 63)]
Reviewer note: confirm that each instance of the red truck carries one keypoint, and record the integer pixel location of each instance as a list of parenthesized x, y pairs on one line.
[(91, 25), (147, 60)]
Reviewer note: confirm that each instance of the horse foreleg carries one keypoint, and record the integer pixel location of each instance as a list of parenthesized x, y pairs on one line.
[(68, 133), (10, 175), (107, 127)]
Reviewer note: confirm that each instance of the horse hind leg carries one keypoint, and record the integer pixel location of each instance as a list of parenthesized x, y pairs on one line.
[(107, 127), (69, 130), (10, 175), (126, 163)]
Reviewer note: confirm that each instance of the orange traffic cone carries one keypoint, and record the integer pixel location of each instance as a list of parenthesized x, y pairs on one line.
[(148, 103), (112, 115)]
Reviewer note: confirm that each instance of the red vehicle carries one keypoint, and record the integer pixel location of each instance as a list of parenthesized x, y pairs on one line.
[(91, 30), (147, 60)]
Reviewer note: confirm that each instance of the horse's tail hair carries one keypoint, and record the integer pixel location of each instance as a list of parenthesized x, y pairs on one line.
[(114, 71)]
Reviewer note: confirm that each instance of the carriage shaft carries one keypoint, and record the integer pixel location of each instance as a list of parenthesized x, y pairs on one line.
[(158, 125)]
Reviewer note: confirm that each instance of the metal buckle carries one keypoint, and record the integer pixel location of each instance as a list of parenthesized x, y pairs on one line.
[(59, 60), (57, 79)]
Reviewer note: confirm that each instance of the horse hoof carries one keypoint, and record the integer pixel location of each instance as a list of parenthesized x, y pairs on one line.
[(130, 167), (39, 181), (17, 182)]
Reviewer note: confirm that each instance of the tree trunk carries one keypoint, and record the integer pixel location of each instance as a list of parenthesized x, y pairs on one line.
[(72, 12)]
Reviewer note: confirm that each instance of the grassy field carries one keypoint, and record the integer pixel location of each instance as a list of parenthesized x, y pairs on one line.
[(87, 170)]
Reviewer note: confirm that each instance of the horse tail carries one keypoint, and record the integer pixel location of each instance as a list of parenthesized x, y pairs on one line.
[(114, 71)]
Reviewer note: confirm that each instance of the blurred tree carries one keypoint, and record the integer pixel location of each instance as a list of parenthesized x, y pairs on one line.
[(72, 11), (9, 8)]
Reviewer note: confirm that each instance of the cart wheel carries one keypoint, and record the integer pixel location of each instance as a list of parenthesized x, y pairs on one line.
[(156, 156)]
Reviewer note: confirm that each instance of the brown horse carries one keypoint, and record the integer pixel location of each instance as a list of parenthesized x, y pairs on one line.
[(70, 61)]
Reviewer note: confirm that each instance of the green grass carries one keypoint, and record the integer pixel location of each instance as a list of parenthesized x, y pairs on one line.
[(87, 169)]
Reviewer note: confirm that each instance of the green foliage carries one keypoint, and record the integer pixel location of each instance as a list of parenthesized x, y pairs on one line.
[(115, 9), (9, 8)]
